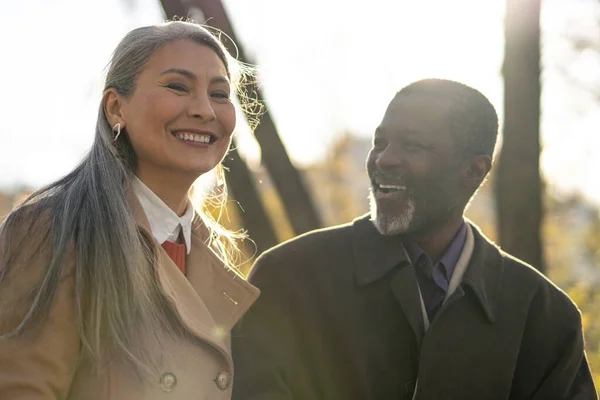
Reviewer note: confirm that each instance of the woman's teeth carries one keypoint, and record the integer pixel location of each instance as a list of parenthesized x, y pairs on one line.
[(193, 137)]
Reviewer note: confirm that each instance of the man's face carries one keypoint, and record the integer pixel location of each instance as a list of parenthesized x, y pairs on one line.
[(414, 166)]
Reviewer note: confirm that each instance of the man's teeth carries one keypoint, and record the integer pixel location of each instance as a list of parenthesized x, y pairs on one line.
[(392, 187), (193, 137)]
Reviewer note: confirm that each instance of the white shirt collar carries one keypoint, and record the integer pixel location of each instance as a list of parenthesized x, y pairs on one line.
[(164, 222)]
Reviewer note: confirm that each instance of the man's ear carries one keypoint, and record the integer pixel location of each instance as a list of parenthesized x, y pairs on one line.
[(476, 170), (113, 104)]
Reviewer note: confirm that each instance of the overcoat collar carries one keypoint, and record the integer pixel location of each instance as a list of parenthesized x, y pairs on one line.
[(376, 255), (484, 273), (213, 297)]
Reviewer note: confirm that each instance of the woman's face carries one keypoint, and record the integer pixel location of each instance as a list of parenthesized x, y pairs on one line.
[(180, 117)]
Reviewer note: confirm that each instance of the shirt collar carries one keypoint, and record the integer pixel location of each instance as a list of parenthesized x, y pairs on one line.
[(165, 224), (376, 255), (450, 256)]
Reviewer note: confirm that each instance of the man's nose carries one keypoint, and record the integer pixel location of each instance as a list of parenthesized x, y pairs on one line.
[(388, 159), (201, 107)]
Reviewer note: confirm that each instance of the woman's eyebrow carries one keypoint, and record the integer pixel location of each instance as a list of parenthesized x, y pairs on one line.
[(220, 79), (179, 71), (192, 76)]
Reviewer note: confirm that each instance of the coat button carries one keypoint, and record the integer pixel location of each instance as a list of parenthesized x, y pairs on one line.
[(168, 381), (223, 380), (409, 390)]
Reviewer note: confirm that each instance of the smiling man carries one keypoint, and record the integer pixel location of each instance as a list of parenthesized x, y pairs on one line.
[(411, 301)]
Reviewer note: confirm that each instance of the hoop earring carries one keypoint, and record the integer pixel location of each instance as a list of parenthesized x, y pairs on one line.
[(117, 130)]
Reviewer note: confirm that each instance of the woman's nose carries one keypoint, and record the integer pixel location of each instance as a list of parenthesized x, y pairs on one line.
[(201, 108)]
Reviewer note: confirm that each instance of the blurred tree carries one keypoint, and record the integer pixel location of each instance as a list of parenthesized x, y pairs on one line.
[(255, 218), (588, 298), (573, 263), (341, 180), (518, 183)]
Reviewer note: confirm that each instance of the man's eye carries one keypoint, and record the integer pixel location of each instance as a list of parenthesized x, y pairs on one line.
[(411, 145), (177, 87)]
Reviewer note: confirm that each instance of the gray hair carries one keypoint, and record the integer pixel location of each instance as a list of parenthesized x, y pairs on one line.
[(87, 213)]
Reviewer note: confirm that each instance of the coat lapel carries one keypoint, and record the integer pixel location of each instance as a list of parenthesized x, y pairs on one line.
[(212, 298), (191, 309), (224, 291), (406, 291), (484, 273), (375, 256)]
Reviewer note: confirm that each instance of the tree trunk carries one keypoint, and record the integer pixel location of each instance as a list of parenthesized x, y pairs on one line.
[(518, 183), (254, 216)]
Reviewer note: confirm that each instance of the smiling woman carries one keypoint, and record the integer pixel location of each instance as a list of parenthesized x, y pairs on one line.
[(112, 283), (179, 119)]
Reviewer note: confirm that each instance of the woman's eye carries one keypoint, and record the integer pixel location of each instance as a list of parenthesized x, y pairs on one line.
[(220, 95), (177, 87)]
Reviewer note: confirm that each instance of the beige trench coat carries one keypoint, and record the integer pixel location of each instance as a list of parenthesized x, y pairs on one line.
[(209, 301)]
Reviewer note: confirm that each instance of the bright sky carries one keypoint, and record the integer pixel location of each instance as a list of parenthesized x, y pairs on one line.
[(327, 66)]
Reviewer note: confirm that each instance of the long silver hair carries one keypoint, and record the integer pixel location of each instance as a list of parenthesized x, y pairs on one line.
[(87, 212)]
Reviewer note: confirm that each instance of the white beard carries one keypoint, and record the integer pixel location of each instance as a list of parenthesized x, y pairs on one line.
[(391, 225)]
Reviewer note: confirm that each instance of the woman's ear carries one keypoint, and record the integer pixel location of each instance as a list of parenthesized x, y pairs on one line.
[(113, 104), (476, 170)]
